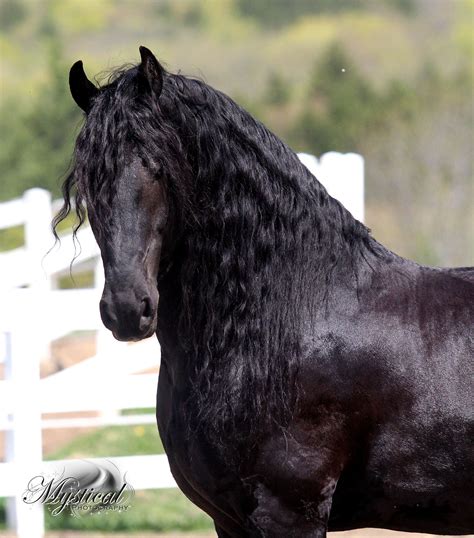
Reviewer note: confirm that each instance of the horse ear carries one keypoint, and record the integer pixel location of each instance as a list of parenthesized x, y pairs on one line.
[(82, 89), (151, 69)]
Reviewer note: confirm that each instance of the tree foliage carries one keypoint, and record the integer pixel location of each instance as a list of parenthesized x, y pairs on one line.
[(310, 69), (279, 13), (341, 104), (12, 12), (38, 136)]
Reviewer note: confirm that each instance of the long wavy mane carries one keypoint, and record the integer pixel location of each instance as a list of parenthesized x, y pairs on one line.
[(260, 239)]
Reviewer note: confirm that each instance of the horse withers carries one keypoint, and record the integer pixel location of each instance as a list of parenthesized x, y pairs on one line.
[(310, 378)]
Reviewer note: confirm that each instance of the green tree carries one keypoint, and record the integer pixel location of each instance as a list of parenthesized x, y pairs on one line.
[(278, 90), (38, 136), (280, 13), (12, 12), (340, 104)]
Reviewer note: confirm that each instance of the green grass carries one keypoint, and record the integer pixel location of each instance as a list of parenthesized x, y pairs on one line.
[(11, 238), (151, 510), (162, 510), (84, 279), (66, 226), (14, 237), (112, 441), (3, 515), (138, 411)]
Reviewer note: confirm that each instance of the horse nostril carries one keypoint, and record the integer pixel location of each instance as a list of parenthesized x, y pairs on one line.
[(146, 308)]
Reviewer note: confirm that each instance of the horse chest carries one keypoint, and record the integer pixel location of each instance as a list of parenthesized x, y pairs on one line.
[(194, 464)]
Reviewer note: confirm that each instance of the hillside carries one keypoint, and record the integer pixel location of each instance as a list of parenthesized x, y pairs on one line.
[(391, 79)]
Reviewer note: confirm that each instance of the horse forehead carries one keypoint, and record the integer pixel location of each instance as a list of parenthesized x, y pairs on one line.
[(134, 186)]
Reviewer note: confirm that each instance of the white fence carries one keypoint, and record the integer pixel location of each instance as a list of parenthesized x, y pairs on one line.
[(33, 314)]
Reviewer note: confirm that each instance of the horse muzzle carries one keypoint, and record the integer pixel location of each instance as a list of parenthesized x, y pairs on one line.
[(131, 315)]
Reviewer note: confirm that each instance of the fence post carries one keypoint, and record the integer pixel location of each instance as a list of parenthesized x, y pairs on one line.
[(38, 236), (343, 177), (38, 240), (23, 442)]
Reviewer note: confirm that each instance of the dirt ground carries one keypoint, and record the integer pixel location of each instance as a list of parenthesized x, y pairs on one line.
[(65, 352), (361, 533)]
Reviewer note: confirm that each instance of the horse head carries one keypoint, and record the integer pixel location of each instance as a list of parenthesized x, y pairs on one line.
[(124, 193)]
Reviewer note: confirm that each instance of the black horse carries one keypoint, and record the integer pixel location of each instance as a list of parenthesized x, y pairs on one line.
[(310, 378)]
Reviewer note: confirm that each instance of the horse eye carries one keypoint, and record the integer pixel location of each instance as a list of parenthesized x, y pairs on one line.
[(153, 168)]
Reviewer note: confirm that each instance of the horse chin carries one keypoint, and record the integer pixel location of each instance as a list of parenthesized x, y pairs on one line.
[(136, 337)]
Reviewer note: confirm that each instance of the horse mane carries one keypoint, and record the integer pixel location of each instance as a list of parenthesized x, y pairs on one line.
[(260, 239)]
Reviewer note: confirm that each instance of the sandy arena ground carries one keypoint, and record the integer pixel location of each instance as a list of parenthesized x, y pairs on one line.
[(361, 533)]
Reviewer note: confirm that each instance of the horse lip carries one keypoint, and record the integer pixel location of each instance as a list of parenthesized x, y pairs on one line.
[(151, 332), (124, 338)]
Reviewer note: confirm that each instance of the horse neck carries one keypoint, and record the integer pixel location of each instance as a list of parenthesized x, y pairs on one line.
[(258, 253), (264, 235), (247, 177), (234, 160)]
